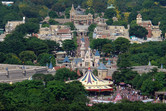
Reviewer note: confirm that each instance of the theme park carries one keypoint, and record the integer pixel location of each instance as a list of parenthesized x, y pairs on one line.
[(82, 55)]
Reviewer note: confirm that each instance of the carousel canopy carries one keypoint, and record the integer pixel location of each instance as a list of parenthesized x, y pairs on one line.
[(93, 83)]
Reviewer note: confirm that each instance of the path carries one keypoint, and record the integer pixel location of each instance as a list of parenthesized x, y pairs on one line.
[(79, 44)]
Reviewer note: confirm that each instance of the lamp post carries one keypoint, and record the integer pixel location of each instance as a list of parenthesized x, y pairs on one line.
[(7, 74), (23, 69)]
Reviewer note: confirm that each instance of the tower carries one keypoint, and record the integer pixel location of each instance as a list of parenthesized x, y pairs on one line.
[(139, 18), (72, 13), (102, 71), (97, 58), (88, 59)]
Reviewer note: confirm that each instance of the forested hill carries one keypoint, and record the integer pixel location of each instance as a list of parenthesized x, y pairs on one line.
[(125, 10)]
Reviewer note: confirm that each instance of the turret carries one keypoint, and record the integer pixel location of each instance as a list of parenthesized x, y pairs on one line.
[(108, 64), (97, 58), (72, 13), (139, 18), (102, 71)]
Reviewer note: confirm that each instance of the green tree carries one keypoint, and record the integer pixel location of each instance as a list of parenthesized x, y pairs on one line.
[(91, 27), (99, 43), (57, 88), (12, 59), (52, 46), (121, 45), (109, 13), (72, 27), (69, 46), (67, 12), (109, 21), (148, 3), (107, 49), (138, 31), (99, 6), (77, 89), (13, 45), (45, 24), (53, 22), (65, 74), (27, 56), (120, 23), (148, 87), (37, 46), (45, 58), (52, 14), (123, 61), (2, 57)]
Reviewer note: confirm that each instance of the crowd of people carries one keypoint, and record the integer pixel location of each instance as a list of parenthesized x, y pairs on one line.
[(127, 93)]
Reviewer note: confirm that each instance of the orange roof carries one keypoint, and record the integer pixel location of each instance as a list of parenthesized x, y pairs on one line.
[(104, 36), (59, 67), (64, 31), (78, 73)]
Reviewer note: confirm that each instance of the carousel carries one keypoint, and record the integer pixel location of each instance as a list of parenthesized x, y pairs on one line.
[(93, 83)]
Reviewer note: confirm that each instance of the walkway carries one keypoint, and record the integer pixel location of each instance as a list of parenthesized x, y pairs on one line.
[(79, 44)]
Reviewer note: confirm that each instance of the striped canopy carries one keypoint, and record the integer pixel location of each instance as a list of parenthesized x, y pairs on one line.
[(93, 83)]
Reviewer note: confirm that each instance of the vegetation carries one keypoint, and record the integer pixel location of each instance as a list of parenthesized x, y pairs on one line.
[(58, 95), (16, 49)]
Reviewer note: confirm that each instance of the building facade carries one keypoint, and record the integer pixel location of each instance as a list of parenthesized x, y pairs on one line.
[(153, 30), (78, 17), (56, 33), (11, 25), (104, 31)]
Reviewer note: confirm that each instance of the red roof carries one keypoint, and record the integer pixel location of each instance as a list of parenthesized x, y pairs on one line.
[(104, 36), (59, 67), (78, 73), (122, 83), (64, 31), (108, 77)]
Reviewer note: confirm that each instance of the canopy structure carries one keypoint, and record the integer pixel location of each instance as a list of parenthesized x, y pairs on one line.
[(93, 83)]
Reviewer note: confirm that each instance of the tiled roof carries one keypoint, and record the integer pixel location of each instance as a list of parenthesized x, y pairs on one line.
[(58, 67), (102, 67), (63, 31)]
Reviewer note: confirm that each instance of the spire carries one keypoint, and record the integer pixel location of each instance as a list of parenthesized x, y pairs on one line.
[(161, 66), (66, 60), (97, 53), (109, 62), (149, 63), (72, 7), (102, 67), (50, 67)]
